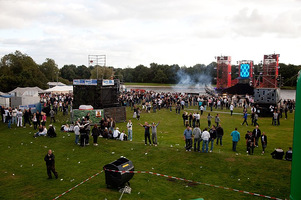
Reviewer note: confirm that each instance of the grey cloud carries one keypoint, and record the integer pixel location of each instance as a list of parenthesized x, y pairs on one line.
[(254, 23)]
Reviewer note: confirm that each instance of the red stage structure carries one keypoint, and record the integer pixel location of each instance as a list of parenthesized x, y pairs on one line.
[(269, 76), (223, 78)]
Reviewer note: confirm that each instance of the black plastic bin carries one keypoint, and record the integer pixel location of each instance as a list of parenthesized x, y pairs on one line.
[(118, 179)]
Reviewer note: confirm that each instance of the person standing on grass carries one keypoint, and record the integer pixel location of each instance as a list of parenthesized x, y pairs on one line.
[(256, 119), (50, 164), (212, 132), (231, 109), (130, 130), (209, 117), (188, 138), (76, 132), (264, 142), (217, 120), (19, 118), (52, 116), (256, 135), (275, 117), (154, 133), (14, 116), (205, 138), (235, 138), (219, 135), (44, 119), (35, 121), (250, 141), (197, 134), (26, 118), (95, 134), (185, 117), (245, 118), (146, 127), (9, 118)]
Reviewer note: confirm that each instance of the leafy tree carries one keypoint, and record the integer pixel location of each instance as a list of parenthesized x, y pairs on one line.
[(103, 72), (289, 73), (49, 69), (160, 77), (68, 72), (20, 70), (82, 72)]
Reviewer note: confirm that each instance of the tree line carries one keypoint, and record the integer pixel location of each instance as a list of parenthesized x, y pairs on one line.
[(20, 70)]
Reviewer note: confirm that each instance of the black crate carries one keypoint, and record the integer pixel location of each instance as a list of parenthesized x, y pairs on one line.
[(118, 179)]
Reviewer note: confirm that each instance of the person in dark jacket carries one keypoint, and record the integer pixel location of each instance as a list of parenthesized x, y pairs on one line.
[(250, 142), (51, 131), (95, 134), (264, 141), (256, 135), (219, 134), (289, 154), (50, 164), (213, 135)]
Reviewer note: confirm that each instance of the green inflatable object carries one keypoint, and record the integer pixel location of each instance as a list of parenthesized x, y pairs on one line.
[(296, 163)]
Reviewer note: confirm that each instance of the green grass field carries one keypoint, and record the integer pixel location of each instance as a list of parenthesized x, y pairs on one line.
[(23, 171)]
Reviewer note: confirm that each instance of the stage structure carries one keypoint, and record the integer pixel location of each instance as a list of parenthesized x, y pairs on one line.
[(223, 71), (97, 60), (269, 75), (245, 72), (101, 94), (267, 91)]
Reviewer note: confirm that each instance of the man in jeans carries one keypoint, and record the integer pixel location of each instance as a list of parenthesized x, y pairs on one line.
[(130, 130), (205, 138), (235, 138), (219, 134), (197, 133), (188, 138)]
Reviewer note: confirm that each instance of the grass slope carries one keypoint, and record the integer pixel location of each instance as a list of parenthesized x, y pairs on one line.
[(23, 171)]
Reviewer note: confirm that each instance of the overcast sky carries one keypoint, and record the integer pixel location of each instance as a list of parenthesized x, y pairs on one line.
[(133, 32)]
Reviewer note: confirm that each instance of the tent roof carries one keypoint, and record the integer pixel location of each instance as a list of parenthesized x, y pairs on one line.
[(26, 91), (4, 95), (55, 83), (66, 88)]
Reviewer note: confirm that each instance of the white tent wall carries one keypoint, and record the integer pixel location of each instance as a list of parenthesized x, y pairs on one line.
[(26, 100), (4, 102)]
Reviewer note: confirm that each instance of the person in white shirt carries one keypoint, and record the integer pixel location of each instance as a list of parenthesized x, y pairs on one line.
[(42, 131), (116, 133), (130, 130), (76, 132), (19, 118), (202, 109), (231, 109), (14, 116), (123, 136), (205, 137)]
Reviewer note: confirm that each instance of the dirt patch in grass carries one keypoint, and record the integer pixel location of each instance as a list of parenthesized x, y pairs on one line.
[(171, 180), (230, 159), (28, 191)]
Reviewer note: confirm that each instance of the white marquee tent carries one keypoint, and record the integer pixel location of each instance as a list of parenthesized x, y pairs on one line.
[(60, 89)]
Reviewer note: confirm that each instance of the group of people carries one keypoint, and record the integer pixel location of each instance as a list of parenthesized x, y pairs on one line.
[(252, 139), (42, 131), (193, 120), (106, 129), (206, 136), (146, 127), (20, 117)]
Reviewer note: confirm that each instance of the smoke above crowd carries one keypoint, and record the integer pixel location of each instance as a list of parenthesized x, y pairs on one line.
[(195, 81)]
